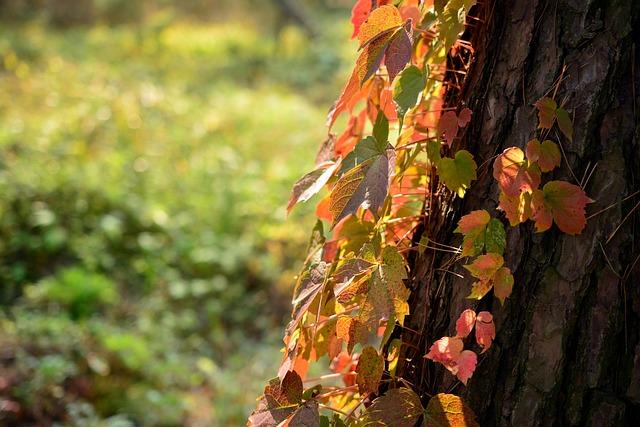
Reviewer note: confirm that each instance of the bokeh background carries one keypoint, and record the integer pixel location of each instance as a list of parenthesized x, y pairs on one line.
[(147, 150)]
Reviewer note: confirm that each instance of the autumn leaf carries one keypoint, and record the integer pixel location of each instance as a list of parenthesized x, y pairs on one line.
[(407, 89), (502, 284), (379, 21), (341, 104), (387, 295), (452, 19), (326, 153), (485, 268), (310, 184), (306, 415), (448, 352), (513, 174), (564, 123), (564, 203), (365, 185), (465, 323), (309, 285), (448, 127), (264, 416), (448, 410), (545, 154), (466, 365), (485, 330), (399, 407), (546, 112), (516, 208), (480, 231), (292, 387), (364, 150), (449, 124), (371, 56), (359, 14), (381, 131), (398, 54), (369, 370), (457, 174)]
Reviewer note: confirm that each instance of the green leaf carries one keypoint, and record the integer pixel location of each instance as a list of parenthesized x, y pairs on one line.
[(369, 370), (495, 238), (381, 131), (433, 152), (364, 150), (452, 18), (387, 295), (564, 123), (457, 174), (406, 90)]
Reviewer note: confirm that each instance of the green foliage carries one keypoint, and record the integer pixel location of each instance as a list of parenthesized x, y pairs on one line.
[(144, 176)]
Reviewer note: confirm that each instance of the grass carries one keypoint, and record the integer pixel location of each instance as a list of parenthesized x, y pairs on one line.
[(145, 257)]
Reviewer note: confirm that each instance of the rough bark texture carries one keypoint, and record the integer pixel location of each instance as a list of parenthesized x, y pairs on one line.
[(567, 350)]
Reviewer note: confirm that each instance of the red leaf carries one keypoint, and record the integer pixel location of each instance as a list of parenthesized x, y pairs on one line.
[(464, 117), (485, 330), (359, 14), (448, 127), (466, 365), (465, 323), (446, 351)]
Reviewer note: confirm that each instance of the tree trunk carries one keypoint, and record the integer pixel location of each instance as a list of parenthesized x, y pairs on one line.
[(567, 350)]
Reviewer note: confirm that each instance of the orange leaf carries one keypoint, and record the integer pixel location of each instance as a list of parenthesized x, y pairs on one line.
[(348, 92), (517, 208), (513, 175), (379, 21), (485, 266), (546, 112), (562, 201), (546, 154), (448, 410)]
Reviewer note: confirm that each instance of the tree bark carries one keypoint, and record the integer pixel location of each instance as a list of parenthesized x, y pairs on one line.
[(567, 350)]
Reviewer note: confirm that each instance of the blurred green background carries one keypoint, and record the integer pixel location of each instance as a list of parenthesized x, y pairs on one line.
[(147, 150)]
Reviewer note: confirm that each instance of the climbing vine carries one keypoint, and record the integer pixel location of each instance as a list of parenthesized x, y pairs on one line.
[(397, 155)]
